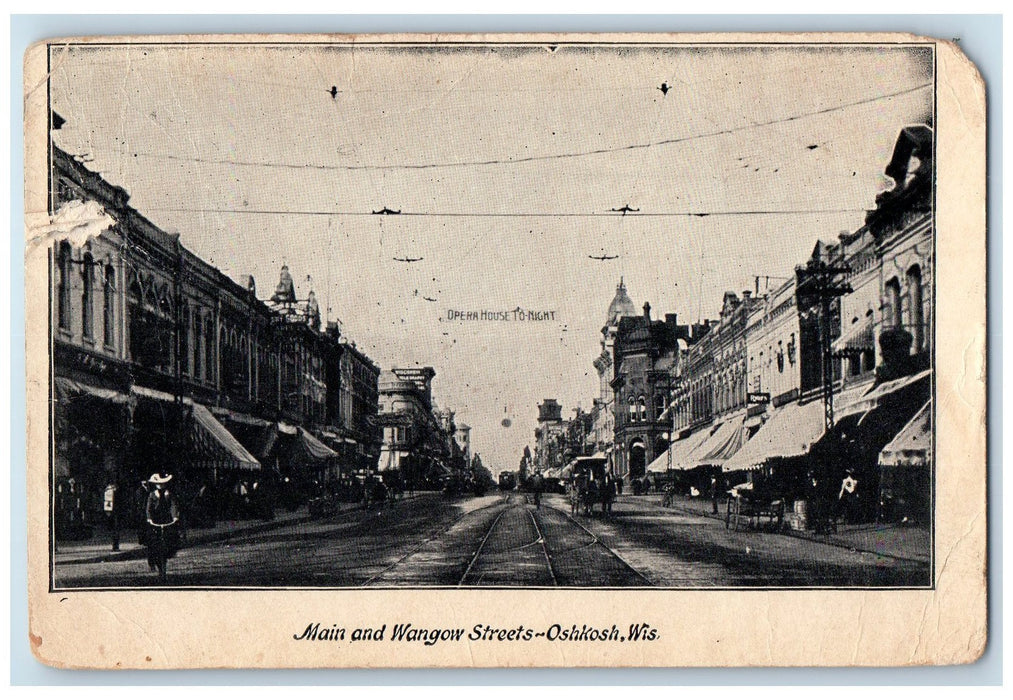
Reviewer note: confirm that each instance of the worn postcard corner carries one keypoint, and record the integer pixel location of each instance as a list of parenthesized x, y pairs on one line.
[(505, 351)]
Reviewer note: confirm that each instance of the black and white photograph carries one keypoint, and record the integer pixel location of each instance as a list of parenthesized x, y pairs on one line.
[(491, 314), (507, 350)]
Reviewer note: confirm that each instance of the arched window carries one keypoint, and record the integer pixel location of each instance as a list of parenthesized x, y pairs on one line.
[(660, 404), (892, 310), (642, 405), (109, 306), (63, 296), (914, 300), (633, 410), (87, 296)]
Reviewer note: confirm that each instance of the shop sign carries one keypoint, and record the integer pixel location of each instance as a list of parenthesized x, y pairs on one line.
[(109, 498), (758, 397)]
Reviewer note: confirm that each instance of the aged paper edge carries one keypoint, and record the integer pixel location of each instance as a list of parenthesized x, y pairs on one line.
[(945, 625)]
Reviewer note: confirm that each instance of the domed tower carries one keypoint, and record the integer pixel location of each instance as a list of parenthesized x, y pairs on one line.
[(621, 306)]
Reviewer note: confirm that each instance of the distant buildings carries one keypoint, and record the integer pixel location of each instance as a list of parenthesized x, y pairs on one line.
[(743, 398), (420, 442)]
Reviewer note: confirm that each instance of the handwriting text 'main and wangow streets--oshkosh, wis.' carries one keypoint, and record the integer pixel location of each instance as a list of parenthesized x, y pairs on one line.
[(430, 636)]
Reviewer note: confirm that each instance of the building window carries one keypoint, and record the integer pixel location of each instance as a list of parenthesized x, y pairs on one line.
[(87, 283), (198, 353), (109, 306), (914, 291), (63, 297), (642, 404), (184, 342), (633, 410), (660, 404), (209, 350), (893, 311)]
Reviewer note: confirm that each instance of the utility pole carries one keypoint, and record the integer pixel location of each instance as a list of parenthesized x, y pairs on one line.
[(818, 283)]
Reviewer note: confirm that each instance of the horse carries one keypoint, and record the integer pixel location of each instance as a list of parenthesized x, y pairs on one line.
[(591, 496)]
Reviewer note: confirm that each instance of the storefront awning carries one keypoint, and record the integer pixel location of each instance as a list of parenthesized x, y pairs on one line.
[(790, 432), (859, 337), (872, 399), (683, 449), (157, 395), (215, 447), (314, 448), (913, 445), (722, 444), (66, 390), (660, 464)]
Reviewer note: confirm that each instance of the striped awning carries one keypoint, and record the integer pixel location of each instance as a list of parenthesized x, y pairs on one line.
[(214, 446), (861, 336), (872, 399), (682, 450), (313, 447), (722, 444), (913, 445), (790, 432)]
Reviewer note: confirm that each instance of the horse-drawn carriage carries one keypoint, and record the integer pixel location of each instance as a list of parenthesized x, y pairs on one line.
[(754, 507), (589, 482)]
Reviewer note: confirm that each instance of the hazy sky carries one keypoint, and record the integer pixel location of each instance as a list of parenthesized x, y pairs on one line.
[(509, 160)]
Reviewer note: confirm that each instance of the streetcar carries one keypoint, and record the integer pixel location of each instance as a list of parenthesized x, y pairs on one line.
[(507, 481)]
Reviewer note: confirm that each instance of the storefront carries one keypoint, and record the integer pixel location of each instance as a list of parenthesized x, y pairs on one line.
[(833, 474), (905, 464), (91, 431), (674, 465), (185, 439)]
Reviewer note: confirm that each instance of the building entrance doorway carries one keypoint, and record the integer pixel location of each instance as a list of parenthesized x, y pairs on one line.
[(637, 460)]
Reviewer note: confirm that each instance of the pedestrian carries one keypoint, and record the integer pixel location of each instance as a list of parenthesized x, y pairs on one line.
[(162, 509), (848, 496), (537, 483), (715, 490)]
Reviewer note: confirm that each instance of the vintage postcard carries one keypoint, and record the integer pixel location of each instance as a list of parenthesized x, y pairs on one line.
[(505, 350)]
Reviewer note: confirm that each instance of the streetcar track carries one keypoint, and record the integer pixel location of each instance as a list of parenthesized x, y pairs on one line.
[(481, 545), (596, 539), (545, 549), (415, 550)]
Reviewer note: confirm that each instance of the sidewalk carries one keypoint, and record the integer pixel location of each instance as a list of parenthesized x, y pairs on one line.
[(99, 548), (911, 542)]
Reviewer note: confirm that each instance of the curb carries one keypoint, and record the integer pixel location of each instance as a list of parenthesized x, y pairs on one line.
[(826, 539), (140, 552)]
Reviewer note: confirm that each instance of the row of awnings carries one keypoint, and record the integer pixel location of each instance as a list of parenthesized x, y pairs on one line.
[(214, 446), (793, 430)]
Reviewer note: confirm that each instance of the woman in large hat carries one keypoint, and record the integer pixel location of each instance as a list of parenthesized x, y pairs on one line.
[(161, 510)]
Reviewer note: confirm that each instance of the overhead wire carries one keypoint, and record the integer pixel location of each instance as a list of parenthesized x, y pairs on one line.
[(534, 158)]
